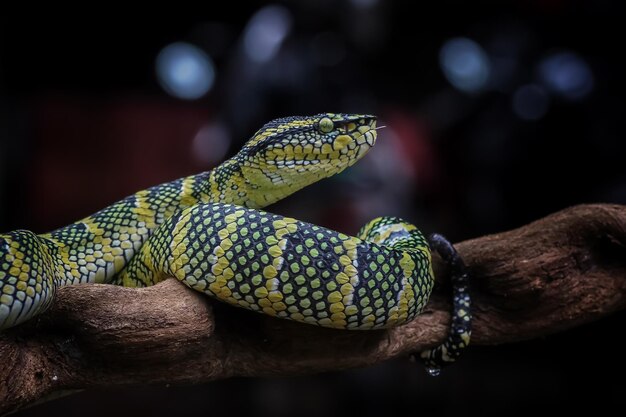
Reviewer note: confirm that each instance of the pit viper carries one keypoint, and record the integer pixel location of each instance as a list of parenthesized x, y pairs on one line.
[(208, 231)]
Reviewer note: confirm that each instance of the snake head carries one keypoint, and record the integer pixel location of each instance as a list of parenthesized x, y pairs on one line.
[(290, 153)]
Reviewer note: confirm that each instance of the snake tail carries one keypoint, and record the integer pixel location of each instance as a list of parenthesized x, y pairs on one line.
[(293, 270), (461, 327)]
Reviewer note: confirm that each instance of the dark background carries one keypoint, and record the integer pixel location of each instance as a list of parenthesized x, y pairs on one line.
[(533, 125)]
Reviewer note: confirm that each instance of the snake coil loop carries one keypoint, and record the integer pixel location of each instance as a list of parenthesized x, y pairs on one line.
[(207, 230)]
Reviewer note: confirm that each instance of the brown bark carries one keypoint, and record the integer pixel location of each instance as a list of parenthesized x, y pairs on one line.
[(556, 273)]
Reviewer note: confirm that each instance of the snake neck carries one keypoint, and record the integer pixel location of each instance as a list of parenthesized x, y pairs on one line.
[(255, 185), (98, 247)]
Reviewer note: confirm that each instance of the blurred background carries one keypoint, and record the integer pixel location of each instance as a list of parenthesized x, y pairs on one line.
[(497, 113)]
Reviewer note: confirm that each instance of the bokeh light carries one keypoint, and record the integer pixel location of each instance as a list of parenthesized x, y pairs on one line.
[(265, 33), (185, 71), (567, 74), (465, 64), (530, 102), (211, 143)]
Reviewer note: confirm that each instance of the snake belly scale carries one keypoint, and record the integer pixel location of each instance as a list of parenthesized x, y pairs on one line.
[(207, 231)]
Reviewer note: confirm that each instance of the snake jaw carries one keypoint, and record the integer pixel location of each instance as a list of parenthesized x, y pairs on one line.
[(370, 137)]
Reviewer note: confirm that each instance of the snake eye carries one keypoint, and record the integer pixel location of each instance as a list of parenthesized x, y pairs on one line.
[(326, 125)]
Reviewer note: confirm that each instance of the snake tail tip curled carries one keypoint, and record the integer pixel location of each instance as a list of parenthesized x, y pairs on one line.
[(460, 329)]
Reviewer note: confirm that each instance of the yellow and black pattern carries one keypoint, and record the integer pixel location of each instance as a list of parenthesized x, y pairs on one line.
[(294, 270), (461, 327), (282, 157), (206, 231), (27, 276)]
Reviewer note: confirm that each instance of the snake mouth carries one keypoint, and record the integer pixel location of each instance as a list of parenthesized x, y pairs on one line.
[(366, 137), (370, 136)]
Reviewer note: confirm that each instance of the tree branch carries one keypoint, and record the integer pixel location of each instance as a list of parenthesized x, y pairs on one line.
[(556, 273)]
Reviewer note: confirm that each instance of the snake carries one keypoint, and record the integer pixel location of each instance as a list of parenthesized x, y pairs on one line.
[(210, 231)]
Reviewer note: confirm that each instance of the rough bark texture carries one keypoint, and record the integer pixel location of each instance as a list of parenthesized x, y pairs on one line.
[(556, 273)]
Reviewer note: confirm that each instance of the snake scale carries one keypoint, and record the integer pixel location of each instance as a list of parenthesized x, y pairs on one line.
[(207, 231)]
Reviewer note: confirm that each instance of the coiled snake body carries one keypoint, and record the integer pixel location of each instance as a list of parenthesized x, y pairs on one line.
[(206, 230)]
